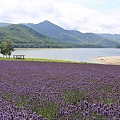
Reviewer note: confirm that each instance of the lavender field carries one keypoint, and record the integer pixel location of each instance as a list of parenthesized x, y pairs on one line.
[(59, 91)]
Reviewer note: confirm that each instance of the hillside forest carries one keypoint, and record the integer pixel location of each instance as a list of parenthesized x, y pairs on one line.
[(49, 35)]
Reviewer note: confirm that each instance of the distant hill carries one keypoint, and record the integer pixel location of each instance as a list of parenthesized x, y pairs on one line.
[(23, 36), (47, 35), (114, 37), (4, 24), (53, 31), (76, 38)]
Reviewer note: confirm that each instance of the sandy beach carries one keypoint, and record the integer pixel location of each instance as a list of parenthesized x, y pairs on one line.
[(113, 60)]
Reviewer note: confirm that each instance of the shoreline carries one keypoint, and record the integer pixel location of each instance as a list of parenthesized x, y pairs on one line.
[(112, 60), (109, 60)]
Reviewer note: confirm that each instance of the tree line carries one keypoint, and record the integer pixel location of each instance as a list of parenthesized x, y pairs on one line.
[(6, 48)]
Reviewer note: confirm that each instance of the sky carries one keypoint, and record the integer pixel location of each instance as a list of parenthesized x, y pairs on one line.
[(96, 16)]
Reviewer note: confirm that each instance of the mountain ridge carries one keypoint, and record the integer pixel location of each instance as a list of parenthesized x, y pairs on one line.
[(75, 37), (23, 36), (65, 38)]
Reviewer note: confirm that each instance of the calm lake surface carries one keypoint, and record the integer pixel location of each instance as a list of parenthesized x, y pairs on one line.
[(74, 54)]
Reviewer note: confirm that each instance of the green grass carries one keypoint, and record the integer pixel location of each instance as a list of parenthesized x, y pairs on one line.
[(48, 60), (1, 58), (42, 60), (7, 96), (74, 96), (22, 101), (48, 109)]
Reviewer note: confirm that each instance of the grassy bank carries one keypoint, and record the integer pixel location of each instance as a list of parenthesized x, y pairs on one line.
[(48, 60), (41, 60)]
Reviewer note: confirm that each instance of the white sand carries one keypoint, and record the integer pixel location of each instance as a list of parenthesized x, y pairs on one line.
[(113, 60)]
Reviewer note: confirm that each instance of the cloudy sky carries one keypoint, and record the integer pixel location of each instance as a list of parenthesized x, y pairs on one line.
[(97, 16)]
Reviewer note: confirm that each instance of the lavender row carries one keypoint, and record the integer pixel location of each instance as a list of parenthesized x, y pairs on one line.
[(36, 90)]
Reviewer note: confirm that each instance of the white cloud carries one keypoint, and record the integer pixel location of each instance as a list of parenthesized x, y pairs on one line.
[(81, 15), (85, 19)]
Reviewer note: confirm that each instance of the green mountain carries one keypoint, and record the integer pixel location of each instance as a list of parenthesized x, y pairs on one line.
[(76, 38), (4, 24), (49, 35), (114, 37), (53, 31), (23, 36)]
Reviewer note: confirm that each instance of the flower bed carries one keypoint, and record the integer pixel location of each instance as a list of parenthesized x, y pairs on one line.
[(59, 91)]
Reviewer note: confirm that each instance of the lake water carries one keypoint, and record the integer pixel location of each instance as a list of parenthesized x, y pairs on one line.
[(74, 54)]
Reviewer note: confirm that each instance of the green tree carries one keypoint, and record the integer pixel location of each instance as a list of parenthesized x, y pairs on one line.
[(3, 49), (6, 48), (9, 47)]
